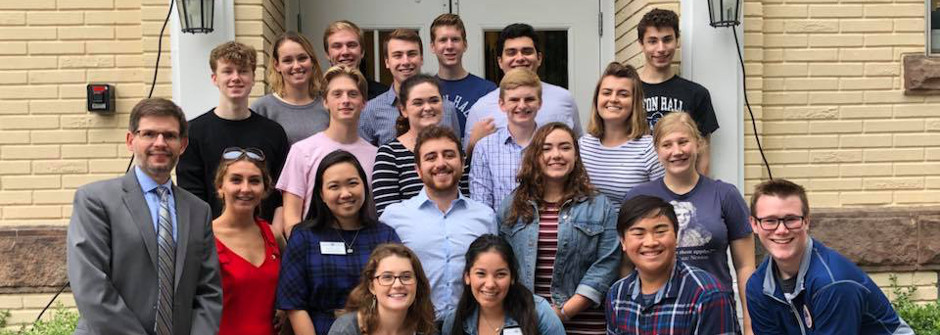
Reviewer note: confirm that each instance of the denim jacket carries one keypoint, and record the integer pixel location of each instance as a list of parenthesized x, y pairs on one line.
[(588, 257), (549, 324)]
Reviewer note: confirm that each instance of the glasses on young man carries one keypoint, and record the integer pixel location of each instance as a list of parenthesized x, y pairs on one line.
[(234, 153), (792, 222), (387, 279)]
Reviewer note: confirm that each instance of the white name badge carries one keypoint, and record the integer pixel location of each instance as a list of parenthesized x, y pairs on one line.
[(512, 331), (332, 248)]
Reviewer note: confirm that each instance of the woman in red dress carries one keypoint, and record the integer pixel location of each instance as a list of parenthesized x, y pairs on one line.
[(249, 258)]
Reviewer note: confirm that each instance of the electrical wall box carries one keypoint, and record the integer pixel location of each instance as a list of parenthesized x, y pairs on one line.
[(100, 98)]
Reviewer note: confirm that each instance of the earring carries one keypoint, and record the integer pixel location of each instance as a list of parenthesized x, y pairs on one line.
[(373, 303)]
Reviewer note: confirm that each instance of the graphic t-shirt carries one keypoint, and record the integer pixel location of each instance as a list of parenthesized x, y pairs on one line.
[(678, 93), (464, 93), (710, 216)]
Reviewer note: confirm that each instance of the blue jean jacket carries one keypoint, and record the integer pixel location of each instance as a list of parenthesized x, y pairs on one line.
[(549, 324), (588, 255)]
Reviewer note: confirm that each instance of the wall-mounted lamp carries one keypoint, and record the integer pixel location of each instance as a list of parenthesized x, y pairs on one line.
[(724, 13), (196, 15)]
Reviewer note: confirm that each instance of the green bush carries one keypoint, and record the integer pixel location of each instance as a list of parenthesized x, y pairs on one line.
[(63, 322), (924, 319)]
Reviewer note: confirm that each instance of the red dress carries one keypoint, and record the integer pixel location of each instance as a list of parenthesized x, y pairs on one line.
[(248, 291)]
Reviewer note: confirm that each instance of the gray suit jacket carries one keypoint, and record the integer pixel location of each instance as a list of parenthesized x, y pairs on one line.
[(112, 261)]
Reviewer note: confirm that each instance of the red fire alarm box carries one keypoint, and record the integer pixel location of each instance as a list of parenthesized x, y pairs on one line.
[(100, 98)]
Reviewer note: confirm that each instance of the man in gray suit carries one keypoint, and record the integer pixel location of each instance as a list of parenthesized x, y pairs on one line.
[(141, 255)]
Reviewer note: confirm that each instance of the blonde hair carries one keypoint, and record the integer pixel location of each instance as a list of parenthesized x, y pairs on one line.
[(342, 71), (676, 121), (519, 77), (237, 53), (637, 125), (337, 26), (276, 80)]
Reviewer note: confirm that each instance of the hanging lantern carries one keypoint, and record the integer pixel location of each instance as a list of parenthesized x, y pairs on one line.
[(196, 15), (724, 13)]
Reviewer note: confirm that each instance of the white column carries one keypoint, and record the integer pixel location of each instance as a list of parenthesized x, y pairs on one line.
[(192, 85)]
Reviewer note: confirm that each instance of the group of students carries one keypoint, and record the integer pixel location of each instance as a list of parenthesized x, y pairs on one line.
[(450, 204)]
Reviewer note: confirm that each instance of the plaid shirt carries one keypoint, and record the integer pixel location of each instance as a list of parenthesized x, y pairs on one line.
[(496, 160), (318, 283), (377, 122), (692, 302)]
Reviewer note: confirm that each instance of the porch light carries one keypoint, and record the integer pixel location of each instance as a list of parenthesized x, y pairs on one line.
[(724, 13), (196, 15)]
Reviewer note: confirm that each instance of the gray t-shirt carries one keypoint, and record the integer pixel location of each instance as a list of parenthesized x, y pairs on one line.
[(299, 121), (347, 324)]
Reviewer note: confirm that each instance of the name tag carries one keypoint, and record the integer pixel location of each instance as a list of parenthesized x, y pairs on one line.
[(332, 248), (514, 330)]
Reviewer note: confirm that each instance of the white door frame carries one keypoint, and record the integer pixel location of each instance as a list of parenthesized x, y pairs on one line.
[(189, 54)]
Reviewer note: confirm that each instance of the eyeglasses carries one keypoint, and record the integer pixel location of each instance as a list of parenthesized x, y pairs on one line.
[(791, 222), (234, 153), (387, 279), (152, 135)]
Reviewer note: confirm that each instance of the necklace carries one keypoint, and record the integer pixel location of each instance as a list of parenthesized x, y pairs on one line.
[(349, 246), (495, 329)]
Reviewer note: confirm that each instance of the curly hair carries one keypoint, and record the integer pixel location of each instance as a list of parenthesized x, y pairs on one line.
[(658, 18), (531, 179), (420, 315), (237, 53), (274, 76)]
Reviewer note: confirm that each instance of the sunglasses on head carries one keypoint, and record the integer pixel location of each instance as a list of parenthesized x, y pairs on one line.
[(234, 153)]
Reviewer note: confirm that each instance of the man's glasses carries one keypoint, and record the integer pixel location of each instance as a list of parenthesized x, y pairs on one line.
[(151, 135), (234, 153), (387, 279), (771, 224)]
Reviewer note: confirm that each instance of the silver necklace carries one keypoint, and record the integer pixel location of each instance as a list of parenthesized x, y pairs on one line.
[(349, 246)]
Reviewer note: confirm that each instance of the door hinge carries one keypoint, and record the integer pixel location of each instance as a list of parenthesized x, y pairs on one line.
[(600, 24)]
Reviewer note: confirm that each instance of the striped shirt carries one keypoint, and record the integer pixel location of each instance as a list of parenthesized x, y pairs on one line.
[(616, 170), (589, 321), (691, 302), (496, 160), (395, 179)]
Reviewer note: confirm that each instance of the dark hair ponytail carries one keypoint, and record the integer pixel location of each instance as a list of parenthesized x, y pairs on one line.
[(401, 123)]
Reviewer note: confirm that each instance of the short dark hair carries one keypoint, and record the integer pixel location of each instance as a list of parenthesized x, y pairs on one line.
[(644, 206), (658, 18), (448, 20), (433, 133), (780, 188), (409, 35), (517, 30), (157, 107)]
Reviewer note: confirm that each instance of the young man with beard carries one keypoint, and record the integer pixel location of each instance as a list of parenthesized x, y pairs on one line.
[(497, 157), (664, 91), (449, 42), (342, 41), (141, 255), (403, 58), (230, 124), (804, 287), (518, 47), (663, 295), (440, 223)]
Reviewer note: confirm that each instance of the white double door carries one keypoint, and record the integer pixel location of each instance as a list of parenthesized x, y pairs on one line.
[(575, 25)]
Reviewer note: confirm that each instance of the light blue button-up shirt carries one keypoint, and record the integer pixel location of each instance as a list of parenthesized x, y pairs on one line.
[(440, 239), (149, 187)]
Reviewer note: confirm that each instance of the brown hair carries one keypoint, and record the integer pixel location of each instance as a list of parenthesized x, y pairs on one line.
[(636, 125), (340, 25), (157, 107), (409, 35), (519, 77), (241, 55), (657, 18), (780, 188), (402, 125), (451, 20), (531, 180), (223, 170), (433, 133), (673, 122), (274, 77), (342, 71), (420, 315)]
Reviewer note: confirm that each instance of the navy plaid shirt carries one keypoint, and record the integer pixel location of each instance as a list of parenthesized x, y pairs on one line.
[(692, 302), (321, 283)]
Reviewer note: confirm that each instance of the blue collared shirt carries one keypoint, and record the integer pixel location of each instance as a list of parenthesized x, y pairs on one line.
[(149, 187), (377, 122), (496, 160), (548, 322), (440, 239)]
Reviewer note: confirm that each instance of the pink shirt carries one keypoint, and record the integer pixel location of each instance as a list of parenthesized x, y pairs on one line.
[(300, 169)]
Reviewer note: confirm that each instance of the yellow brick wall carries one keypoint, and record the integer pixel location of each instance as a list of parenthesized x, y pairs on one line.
[(626, 17), (24, 308)]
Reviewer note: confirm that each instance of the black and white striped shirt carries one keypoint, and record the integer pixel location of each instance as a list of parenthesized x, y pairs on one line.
[(395, 179), (616, 170)]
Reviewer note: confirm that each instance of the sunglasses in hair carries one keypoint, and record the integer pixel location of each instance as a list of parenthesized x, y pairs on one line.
[(234, 153)]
